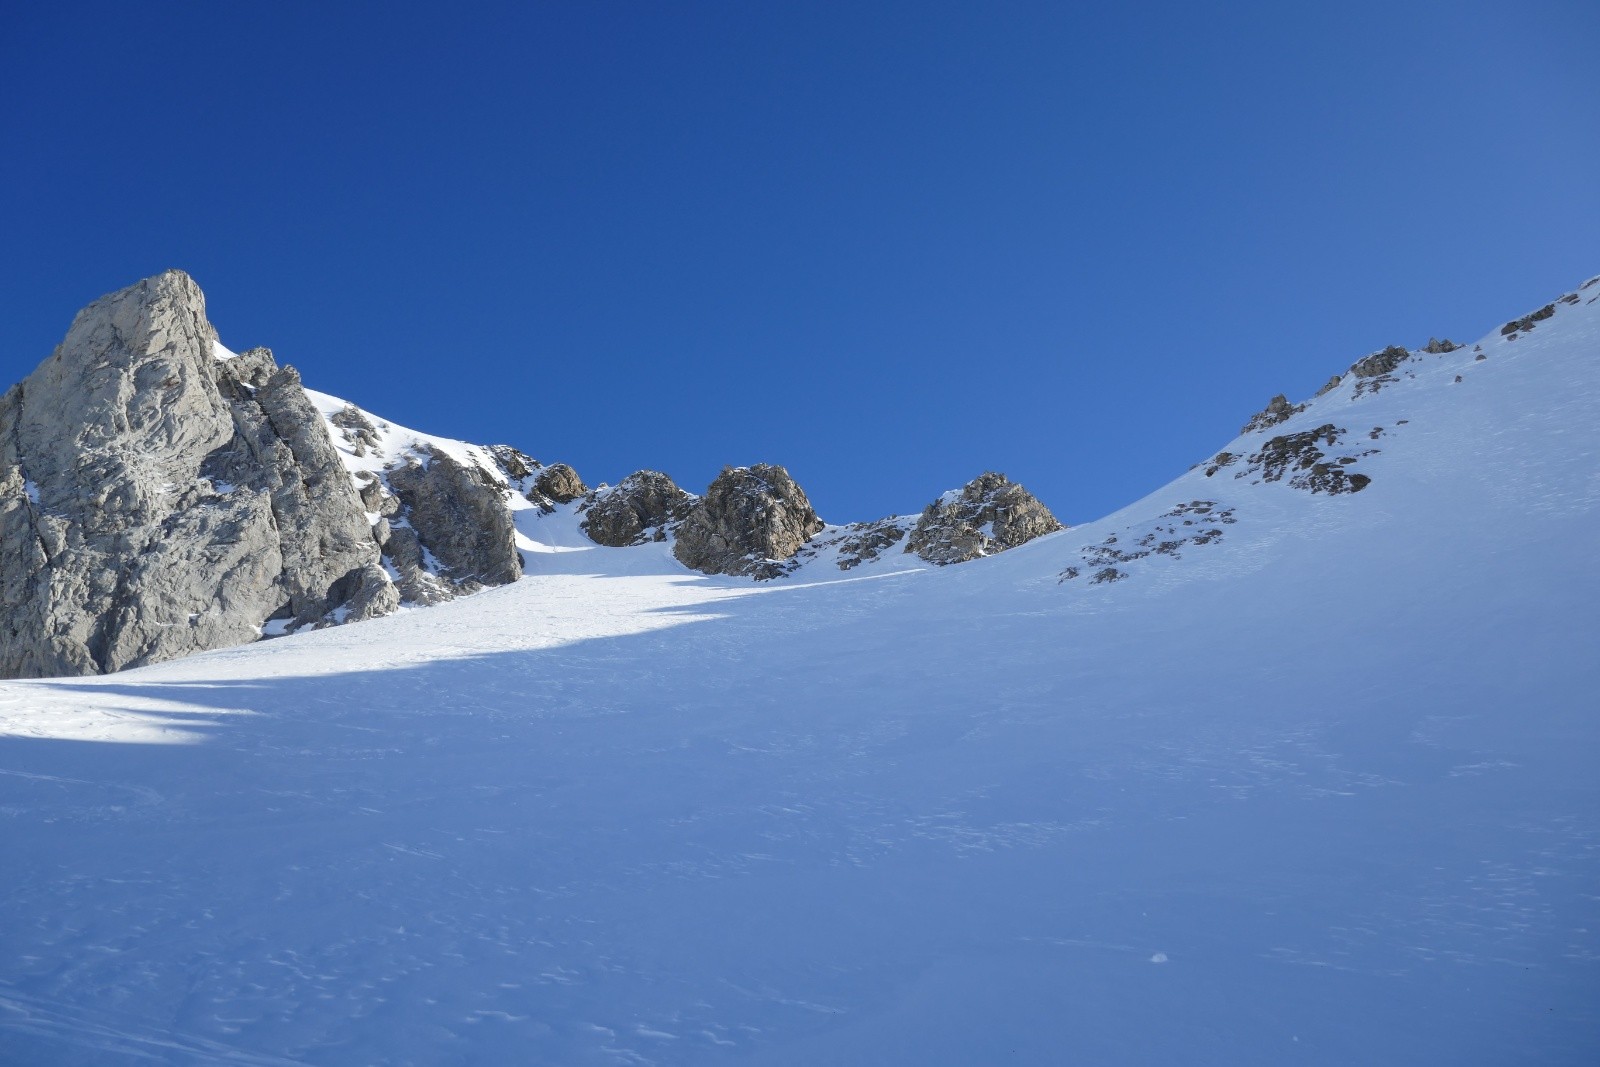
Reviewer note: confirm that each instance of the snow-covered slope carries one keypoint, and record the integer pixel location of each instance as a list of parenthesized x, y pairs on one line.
[(1312, 785)]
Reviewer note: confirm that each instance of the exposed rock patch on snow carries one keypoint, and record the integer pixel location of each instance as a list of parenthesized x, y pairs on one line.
[(1380, 363), (1193, 523), (459, 515), (442, 511), (1278, 410), (1301, 458), (989, 514)]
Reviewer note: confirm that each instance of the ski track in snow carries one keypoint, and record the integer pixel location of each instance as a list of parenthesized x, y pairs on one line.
[(1320, 792)]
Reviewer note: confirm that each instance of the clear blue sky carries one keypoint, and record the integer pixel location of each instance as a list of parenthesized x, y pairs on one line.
[(888, 245)]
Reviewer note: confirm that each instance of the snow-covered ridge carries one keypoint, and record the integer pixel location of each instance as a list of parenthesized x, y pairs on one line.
[(1328, 444), (389, 443)]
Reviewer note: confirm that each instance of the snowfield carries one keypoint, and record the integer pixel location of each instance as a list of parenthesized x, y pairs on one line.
[(1318, 790)]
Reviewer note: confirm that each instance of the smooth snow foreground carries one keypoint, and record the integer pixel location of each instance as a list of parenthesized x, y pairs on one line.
[(1323, 791)]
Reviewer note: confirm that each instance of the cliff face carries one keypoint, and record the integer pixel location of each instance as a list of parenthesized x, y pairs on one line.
[(157, 501)]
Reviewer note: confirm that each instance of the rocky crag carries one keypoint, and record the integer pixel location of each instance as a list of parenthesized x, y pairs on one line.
[(752, 521), (989, 514), (644, 506), (160, 495), (155, 501), (442, 513)]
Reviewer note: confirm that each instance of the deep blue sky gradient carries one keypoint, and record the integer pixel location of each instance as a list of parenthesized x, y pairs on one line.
[(888, 245)]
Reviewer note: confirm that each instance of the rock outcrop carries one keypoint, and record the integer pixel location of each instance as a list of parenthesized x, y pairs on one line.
[(1301, 459), (751, 521), (1278, 410), (526, 475), (866, 541), (1527, 322), (155, 501), (514, 463), (457, 513), (1380, 363), (1189, 525), (989, 514), (642, 507), (560, 483), (356, 429)]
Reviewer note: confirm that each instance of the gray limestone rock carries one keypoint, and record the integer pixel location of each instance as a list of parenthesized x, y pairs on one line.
[(1436, 347), (156, 502), (751, 521), (327, 544), (1380, 363), (522, 473), (360, 433), (859, 542), (640, 508), (515, 464), (1527, 321), (1332, 384), (1278, 410), (1300, 457), (456, 512), (560, 483), (989, 514), (866, 541)]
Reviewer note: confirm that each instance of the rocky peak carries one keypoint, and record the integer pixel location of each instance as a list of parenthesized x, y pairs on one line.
[(155, 501), (989, 514), (642, 507), (751, 521), (560, 483)]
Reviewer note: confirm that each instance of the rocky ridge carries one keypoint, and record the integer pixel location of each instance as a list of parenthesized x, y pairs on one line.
[(1315, 450), (160, 495)]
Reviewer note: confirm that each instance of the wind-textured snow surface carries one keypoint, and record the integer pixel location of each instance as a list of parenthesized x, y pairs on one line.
[(1320, 790)]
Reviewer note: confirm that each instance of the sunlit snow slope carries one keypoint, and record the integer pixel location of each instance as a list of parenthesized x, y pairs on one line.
[(1318, 790)]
